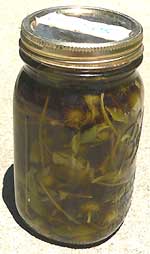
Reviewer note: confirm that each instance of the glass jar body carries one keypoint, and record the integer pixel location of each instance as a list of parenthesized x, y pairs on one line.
[(75, 142)]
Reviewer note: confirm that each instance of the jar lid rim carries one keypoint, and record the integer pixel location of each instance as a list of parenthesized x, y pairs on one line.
[(105, 39)]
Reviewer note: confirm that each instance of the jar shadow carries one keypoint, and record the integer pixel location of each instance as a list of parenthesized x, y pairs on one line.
[(9, 199)]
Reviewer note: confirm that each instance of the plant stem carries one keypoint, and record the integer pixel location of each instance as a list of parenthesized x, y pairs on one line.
[(57, 205), (106, 115), (114, 150), (42, 117), (97, 181), (78, 195), (89, 217)]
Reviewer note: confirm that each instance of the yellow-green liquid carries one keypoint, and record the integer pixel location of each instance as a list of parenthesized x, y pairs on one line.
[(75, 157)]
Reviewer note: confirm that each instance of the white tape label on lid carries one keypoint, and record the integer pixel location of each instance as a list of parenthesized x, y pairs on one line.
[(80, 25)]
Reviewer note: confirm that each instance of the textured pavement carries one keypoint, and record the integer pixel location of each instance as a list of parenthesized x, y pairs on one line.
[(134, 235)]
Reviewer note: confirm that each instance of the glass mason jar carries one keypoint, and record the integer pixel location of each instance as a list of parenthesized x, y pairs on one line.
[(78, 108)]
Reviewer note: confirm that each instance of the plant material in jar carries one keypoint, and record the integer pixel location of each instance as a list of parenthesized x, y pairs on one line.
[(90, 208), (74, 118), (92, 102)]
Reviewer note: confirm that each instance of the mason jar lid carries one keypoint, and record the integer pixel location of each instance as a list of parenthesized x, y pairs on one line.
[(81, 38)]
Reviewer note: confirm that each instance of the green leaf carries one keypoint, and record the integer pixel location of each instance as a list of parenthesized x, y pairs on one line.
[(67, 160), (76, 143), (89, 136), (92, 102), (115, 178), (102, 136), (95, 134), (75, 170), (118, 115)]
